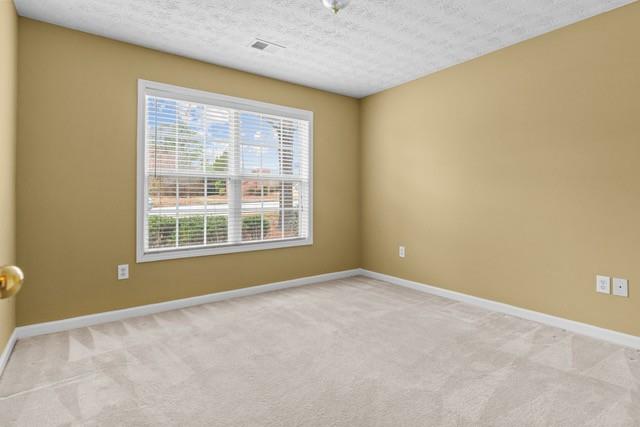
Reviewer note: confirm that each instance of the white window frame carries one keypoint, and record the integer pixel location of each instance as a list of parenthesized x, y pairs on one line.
[(146, 87)]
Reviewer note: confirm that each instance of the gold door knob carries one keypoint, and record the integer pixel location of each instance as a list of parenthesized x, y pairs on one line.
[(11, 278)]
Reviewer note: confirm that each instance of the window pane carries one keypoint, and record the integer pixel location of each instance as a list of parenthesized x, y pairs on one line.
[(291, 224), (217, 194), (261, 194), (162, 192), (190, 142), (257, 129), (161, 134), (253, 226), (291, 148), (290, 194), (250, 159), (191, 193), (191, 230), (164, 152), (217, 156), (217, 226), (162, 231), (270, 161), (251, 195), (271, 194), (271, 225), (218, 124)]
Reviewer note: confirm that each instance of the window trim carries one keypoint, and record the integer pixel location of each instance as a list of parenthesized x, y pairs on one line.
[(146, 87)]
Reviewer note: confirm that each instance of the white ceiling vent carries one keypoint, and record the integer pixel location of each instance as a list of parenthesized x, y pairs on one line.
[(266, 45), (259, 45)]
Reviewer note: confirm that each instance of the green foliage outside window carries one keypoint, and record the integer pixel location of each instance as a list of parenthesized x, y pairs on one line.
[(251, 227), (162, 230)]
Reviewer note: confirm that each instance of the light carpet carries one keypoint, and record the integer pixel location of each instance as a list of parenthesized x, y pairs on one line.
[(353, 352)]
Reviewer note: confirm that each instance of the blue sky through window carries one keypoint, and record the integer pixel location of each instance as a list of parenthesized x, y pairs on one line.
[(258, 134)]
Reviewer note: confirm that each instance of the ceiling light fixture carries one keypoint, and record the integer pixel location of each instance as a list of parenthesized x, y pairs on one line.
[(335, 5)]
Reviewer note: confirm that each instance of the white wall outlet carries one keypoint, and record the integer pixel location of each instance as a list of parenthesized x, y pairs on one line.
[(620, 287), (123, 271), (603, 284), (401, 251)]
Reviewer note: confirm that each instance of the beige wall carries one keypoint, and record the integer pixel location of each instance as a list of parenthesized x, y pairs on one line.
[(76, 177), (512, 177), (8, 85), (516, 176)]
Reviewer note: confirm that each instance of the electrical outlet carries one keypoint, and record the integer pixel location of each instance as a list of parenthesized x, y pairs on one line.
[(620, 287), (401, 251), (603, 284), (123, 271)]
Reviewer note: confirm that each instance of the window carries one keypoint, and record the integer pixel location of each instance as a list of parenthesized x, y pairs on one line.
[(218, 174)]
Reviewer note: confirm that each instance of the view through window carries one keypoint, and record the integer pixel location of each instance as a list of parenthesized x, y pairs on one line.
[(222, 178)]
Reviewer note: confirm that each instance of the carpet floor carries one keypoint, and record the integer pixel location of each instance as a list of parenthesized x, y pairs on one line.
[(352, 352)]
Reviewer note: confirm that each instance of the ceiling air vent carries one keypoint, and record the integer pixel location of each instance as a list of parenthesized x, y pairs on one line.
[(265, 45), (259, 45)]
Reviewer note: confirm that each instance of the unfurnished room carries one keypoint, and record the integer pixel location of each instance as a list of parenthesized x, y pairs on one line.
[(320, 213)]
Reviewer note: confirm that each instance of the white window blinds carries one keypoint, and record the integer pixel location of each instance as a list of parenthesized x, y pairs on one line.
[(222, 174)]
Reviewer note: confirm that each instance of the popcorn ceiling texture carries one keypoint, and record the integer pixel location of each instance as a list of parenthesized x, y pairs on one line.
[(370, 46)]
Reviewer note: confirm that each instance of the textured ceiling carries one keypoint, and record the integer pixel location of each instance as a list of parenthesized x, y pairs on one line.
[(369, 46)]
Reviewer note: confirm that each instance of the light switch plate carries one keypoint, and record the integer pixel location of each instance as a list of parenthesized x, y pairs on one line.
[(123, 271), (620, 287), (401, 251), (603, 284)]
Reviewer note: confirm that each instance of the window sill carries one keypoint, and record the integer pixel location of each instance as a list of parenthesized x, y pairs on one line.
[(172, 253)]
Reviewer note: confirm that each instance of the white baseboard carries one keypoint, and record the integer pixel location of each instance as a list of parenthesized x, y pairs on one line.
[(8, 348), (144, 310), (547, 319), (111, 316)]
